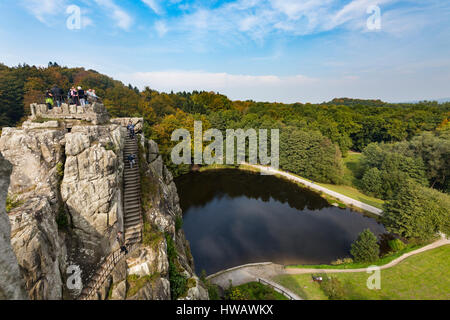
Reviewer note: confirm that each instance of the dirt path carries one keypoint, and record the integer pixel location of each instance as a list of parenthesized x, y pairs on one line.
[(312, 185), (267, 270), (386, 266), (252, 273)]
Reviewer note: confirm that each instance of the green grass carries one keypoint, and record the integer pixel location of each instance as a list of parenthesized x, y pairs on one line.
[(136, 283), (352, 170), (354, 194), (420, 277), (12, 202), (355, 265), (258, 291)]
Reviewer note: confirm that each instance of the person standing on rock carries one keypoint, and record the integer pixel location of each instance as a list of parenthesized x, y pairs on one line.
[(81, 96), (57, 94), (49, 99), (121, 241), (74, 96)]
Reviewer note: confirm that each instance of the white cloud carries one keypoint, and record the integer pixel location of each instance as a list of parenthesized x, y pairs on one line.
[(390, 85), (122, 18), (154, 5), (231, 84), (41, 9), (161, 28)]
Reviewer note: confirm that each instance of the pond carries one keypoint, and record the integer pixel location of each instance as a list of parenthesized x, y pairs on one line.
[(233, 217)]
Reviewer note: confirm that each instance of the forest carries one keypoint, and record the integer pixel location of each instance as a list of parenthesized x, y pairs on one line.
[(405, 146)]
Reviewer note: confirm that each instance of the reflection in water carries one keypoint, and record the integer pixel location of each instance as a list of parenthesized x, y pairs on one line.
[(233, 217)]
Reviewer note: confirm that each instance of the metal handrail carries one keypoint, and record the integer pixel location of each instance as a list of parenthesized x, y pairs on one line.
[(286, 294), (105, 270)]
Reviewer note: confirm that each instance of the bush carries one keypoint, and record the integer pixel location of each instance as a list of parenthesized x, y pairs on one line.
[(178, 282), (342, 261), (178, 223), (12, 202), (396, 245), (365, 248), (60, 169), (333, 288), (213, 290)]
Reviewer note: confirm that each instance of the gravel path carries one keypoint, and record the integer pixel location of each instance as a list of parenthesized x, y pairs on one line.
[(267, 270), (252, 273), (394, 262), (312, 185)]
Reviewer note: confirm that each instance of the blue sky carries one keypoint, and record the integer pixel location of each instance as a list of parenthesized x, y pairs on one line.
[(266, 50)]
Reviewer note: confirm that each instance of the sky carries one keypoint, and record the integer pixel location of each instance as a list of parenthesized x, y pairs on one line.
[(263, 50)]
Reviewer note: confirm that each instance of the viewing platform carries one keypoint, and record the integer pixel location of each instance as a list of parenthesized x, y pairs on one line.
[(95, 113)]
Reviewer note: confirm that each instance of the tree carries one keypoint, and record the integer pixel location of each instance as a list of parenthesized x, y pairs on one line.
[(417, 212), (372, 182), (311, 155), (365, 248)]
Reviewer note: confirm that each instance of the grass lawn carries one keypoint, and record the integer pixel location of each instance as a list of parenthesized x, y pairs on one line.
[(354, 265), (258, 291), (352, 169), (354, 194), (422, 276)]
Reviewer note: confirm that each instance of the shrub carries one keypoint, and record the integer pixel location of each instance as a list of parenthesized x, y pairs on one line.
[(213, 290), (61, 219), (110, 146), (12, 202), (178, 282), (234, 294), (396, 245), (342, 261), (365, 248), (178, 223), (333, 288), (60, 170)]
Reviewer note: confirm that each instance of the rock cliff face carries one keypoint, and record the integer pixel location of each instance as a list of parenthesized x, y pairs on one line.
[(65, 208), (145, 273), (11, 282), (91, 190), (65, 192)]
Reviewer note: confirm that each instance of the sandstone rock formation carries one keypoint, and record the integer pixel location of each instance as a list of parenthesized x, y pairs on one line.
[(66, 198), (147, 269), (95, 113), (11, 282), (91, 187), (77, 176)]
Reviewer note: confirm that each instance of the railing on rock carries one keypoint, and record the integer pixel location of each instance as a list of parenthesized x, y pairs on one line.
[(104, 271)]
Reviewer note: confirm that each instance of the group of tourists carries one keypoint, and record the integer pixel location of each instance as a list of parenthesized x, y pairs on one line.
[(55, 97)]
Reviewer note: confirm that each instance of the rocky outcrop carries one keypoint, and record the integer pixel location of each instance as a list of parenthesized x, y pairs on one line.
[(66, 199), (95, 113), (40, 251), (91, 187), (66, 190), (145, 273), (138, 123), (11, 282)]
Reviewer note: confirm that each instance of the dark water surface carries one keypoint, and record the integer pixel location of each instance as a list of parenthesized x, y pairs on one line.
[(233, 217)]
